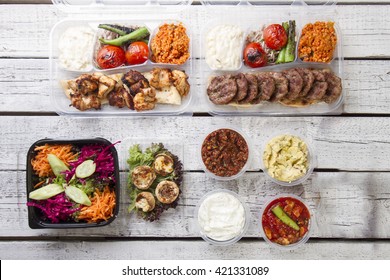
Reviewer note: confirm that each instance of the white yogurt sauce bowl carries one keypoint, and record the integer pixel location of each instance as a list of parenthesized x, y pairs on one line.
[(222, 217)]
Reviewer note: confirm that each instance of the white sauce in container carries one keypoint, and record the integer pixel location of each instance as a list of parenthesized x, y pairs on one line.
[(224, 47), (221, 216), (75, 48)]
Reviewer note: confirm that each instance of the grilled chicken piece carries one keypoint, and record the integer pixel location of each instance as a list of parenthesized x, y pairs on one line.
[(145, 99), (85, 102), (106, 84), (86, 84), (136, 88), (180, 81), (161, 78), (133, 77), (121, 98)]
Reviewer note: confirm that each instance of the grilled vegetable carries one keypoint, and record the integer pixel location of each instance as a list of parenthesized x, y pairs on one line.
[(279, 212), (282, 55), (110, 57), (133, 36), (290, 48), (121, 30)]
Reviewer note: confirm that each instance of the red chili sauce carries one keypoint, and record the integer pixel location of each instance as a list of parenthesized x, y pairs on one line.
[(224, 152), (278, 232)]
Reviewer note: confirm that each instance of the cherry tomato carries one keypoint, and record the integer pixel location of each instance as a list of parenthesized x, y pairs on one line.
[(110, 57), (137, 53), (275, 37), (254, 55)]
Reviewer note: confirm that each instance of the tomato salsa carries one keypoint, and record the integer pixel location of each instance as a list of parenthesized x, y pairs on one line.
[(279, 229), (224, 152)]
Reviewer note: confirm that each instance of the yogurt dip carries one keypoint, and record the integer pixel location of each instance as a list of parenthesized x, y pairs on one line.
[(223, 47), (221, 216), (75, 48)]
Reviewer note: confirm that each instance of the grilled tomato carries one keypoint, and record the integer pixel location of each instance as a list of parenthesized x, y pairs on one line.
[(275, 37), (110, 57), (137, 53), (254, 55)]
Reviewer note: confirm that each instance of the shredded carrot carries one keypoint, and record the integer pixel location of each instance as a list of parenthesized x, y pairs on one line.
[(39, 184), (41, 165), (102, 207)]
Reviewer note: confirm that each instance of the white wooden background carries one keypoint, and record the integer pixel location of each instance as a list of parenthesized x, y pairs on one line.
[(349, 191)]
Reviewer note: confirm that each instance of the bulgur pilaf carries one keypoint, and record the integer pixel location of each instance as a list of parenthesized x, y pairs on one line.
[(171, 44), (318, 42)]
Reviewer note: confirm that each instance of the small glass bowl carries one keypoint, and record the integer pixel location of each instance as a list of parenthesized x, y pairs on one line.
[(244, 168), (229, 241), (311, 162), (293, 245)]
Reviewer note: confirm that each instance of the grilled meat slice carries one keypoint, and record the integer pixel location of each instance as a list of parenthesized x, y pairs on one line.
[(317, 91), (295, 83), (266, 87), (334, 89), (242, 87), (308, 80), (222, 89), (281, 86), (252, 89), (318, 75)]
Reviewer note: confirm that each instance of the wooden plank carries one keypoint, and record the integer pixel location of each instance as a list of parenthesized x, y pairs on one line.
[(344, 205), (347, 143), (188, 250), (28, 27), (25, 86)]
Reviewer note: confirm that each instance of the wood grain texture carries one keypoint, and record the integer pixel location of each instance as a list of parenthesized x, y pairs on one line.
[(344, 205), (32, 23), (366, 85), (188, 250), (344, 143)]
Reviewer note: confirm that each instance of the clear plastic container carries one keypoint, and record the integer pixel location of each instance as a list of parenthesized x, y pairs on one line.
[(297, 244), (312, 162), (252, 18), (231, 240), (129, 13), (245, 167)]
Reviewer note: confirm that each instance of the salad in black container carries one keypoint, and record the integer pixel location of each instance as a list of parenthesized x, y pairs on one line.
[(72, 183)]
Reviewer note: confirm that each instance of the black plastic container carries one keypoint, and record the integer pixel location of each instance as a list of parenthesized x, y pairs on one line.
[(34, 216)]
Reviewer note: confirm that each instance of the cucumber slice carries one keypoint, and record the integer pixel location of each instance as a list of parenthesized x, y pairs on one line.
[(57, 165), (86, 169), (46, 192), (77, 195)]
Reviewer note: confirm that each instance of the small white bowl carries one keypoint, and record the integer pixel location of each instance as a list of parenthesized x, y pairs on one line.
[(295, 245), (244, 168), (311, 163), (231, 240)]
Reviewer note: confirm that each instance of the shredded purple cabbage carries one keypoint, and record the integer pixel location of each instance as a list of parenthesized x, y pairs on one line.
[(102, 157), (56, 209)]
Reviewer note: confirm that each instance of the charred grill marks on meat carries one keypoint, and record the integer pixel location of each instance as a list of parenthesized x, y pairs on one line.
[(291, 87)]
